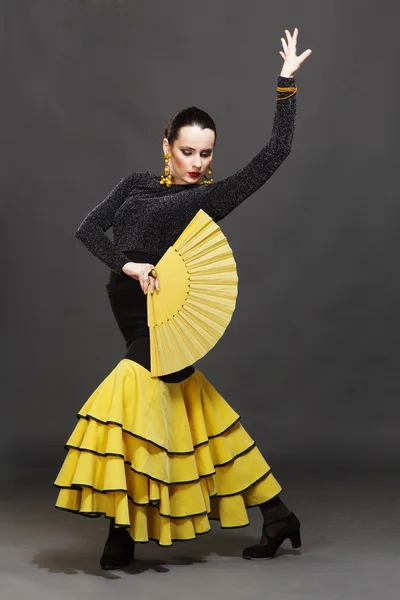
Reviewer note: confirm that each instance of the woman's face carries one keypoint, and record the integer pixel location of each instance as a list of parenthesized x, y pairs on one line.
[(190, 154)]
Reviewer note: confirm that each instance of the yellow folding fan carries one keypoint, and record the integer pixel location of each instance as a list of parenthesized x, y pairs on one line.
[(198, 291)]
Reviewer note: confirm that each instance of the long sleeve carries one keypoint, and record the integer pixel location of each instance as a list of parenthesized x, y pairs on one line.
[(220, 198), (92, 230)]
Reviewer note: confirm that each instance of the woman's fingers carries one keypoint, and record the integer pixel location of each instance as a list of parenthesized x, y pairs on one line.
[(295, 34), (148, 277), (145, 277), (149, 283), (285, 46), (291, 40), (283, 55), (154, 285), (144, 284), (304, 55)]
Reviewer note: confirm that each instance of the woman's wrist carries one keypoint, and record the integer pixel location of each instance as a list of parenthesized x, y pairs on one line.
[(126, 265), (286, 74)]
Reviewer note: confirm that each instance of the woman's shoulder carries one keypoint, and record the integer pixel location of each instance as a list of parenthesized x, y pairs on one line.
[(140, 179)]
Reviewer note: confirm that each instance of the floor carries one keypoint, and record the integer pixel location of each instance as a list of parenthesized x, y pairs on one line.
[(351, 541)]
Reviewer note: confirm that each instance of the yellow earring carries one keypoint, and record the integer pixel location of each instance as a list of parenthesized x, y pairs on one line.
[(166, 178), (209, 177)]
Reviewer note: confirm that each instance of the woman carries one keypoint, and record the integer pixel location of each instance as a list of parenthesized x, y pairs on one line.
[(161, 456)]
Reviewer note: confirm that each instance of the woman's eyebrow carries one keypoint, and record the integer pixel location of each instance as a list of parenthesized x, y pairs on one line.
[(189, 148)]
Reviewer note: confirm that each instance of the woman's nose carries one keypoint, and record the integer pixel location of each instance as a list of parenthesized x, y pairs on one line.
[(197, 162)]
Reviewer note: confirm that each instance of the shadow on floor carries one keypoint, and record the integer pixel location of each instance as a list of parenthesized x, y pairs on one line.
[(148, 557)]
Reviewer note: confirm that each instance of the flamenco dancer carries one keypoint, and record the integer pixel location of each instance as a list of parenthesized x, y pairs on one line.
[(162, 456)]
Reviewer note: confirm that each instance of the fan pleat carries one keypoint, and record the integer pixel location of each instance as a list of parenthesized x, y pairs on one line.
[(196, 237), (201, 339), (219, 316), (212, 302), (211, 247), (176, 331), (190, 335), (211, 326)]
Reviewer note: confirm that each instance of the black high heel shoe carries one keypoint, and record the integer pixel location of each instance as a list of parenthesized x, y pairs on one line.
[(290, 530), (119, 549)]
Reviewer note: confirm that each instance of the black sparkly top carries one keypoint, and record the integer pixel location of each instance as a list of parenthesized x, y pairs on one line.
[(149, 217)]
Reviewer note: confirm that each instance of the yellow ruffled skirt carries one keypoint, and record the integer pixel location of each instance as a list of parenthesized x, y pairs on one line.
[(162, 459)]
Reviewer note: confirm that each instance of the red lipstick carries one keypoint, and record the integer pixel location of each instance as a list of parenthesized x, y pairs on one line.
[(194, 174)]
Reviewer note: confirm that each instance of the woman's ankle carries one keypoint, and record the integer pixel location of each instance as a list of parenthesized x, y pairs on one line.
[(274, 510), (274, 513)]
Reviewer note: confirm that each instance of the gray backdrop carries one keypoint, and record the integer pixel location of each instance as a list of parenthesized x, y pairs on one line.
[(310, 359)]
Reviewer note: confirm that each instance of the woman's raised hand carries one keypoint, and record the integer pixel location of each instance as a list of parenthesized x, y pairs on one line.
[(289, 54), (141, 272)]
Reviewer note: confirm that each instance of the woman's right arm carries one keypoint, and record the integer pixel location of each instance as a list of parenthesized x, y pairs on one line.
[(92, 231)]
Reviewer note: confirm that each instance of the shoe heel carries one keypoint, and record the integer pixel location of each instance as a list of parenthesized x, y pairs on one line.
[(295, 539)]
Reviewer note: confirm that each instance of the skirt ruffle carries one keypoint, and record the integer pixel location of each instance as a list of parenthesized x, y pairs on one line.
[(162, 459)]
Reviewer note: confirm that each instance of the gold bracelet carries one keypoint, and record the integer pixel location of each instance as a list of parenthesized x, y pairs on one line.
[(293, 91)]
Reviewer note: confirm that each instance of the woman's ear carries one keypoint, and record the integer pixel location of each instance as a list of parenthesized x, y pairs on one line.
[(166, 146)]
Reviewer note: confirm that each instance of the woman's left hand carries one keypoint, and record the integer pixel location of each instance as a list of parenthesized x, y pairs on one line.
[(292, 61)]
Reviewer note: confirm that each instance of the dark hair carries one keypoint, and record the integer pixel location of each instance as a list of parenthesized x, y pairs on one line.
[(188, 116)]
